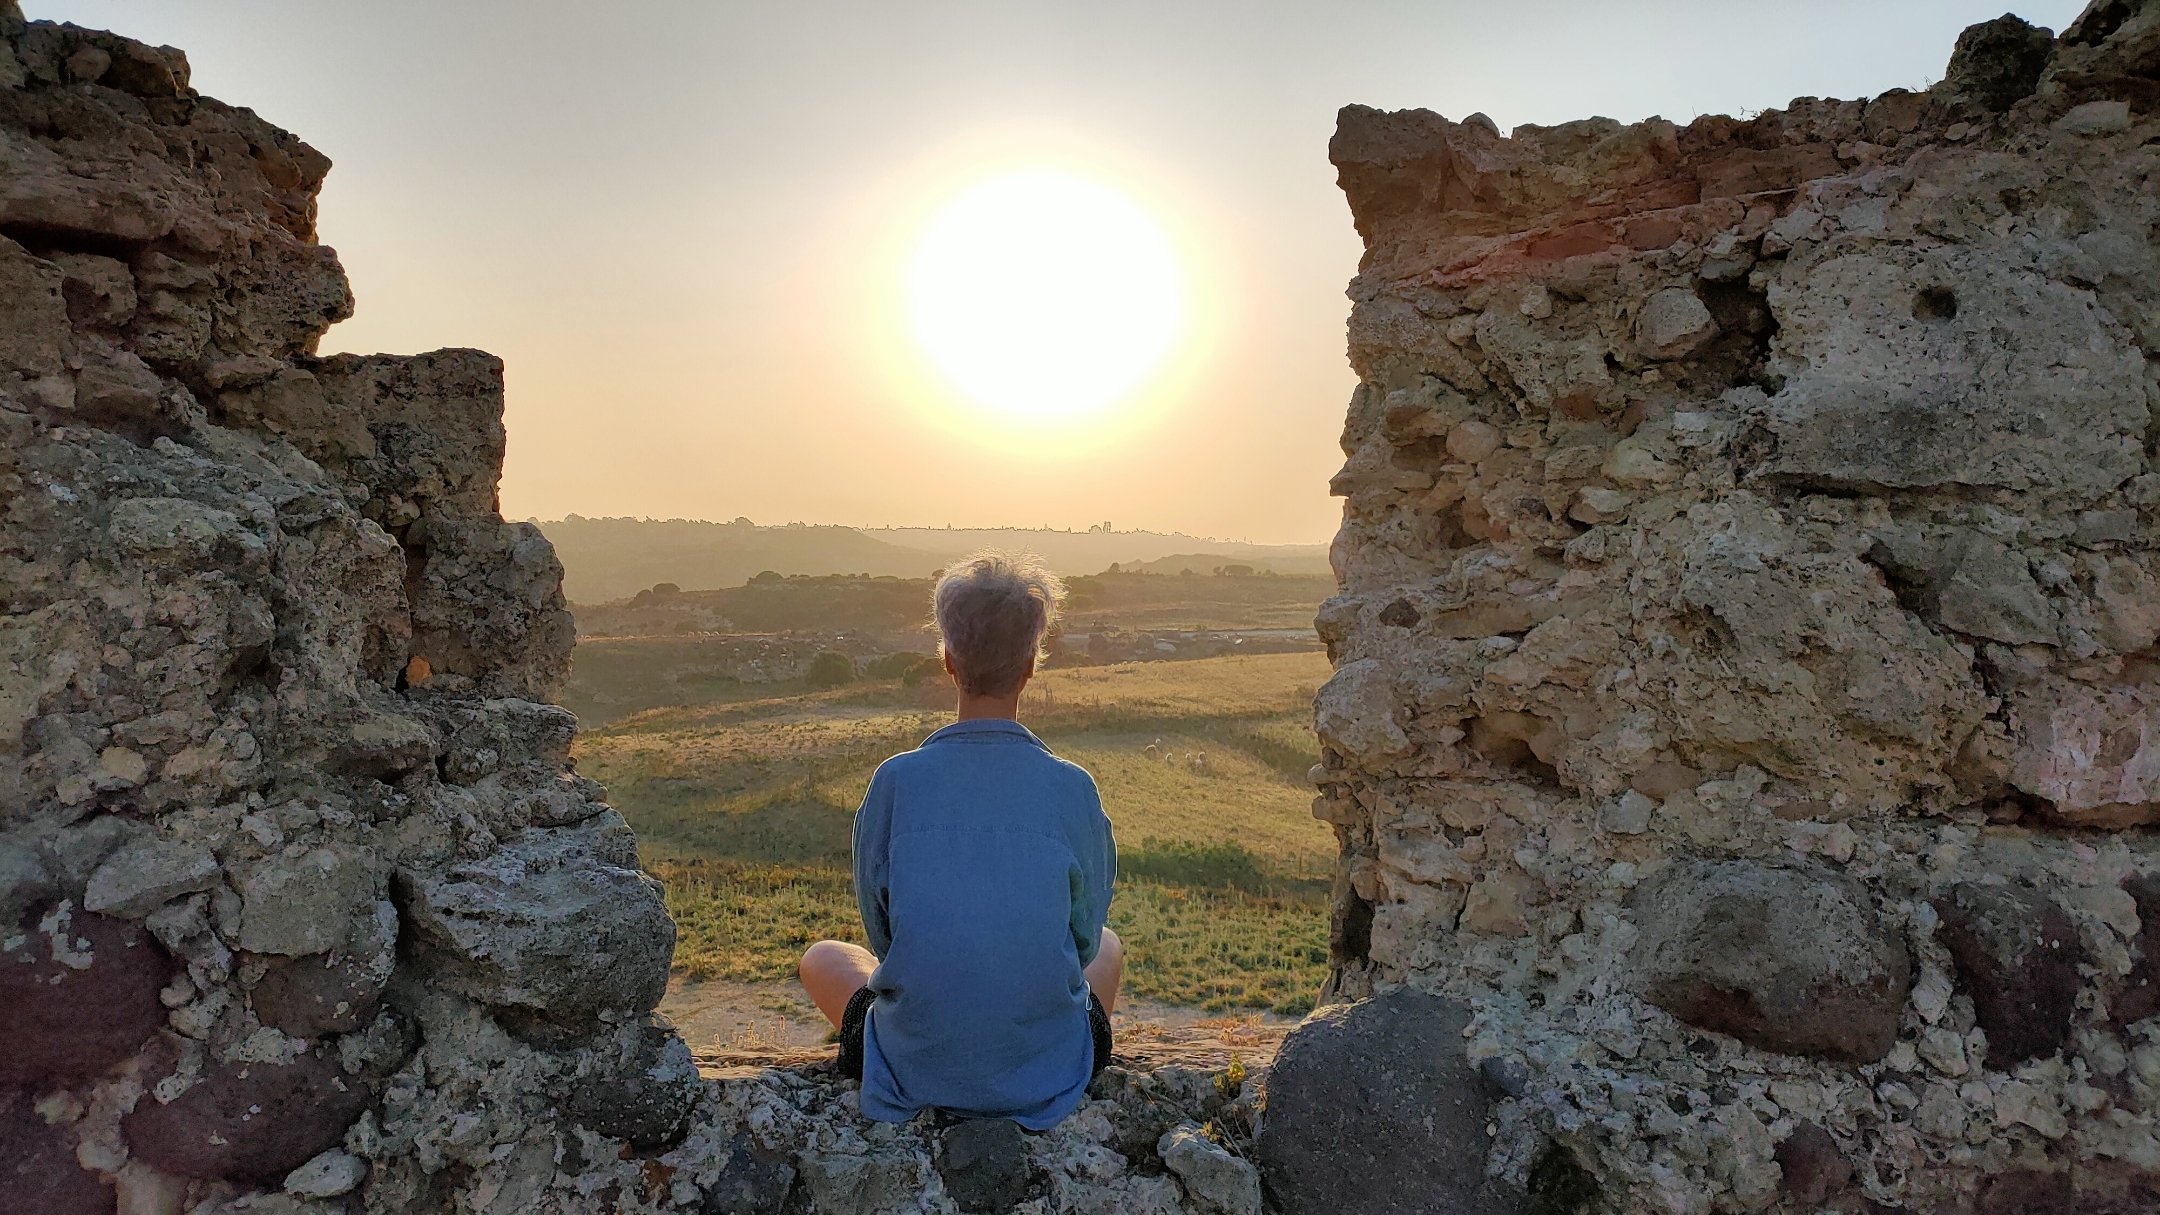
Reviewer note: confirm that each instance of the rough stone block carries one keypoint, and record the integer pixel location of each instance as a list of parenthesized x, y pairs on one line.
[(80, 993), (309, 903), (849, 1184), (327, 1175), (641, 1086), (2017, 955), (249, 1121), (39, 1174), (326, 993), (1785, 959), (1355, 714), (1673, 324), (1216, 1181), (984, 1162), (547, 927), (36, 339), (1998, 63), (2092, 752), (24, 881), (1374, 1109), (141, 876), (754, 1180), (2139, 995), (1812, 1166)]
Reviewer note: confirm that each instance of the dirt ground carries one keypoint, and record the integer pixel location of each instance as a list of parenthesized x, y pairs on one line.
[(731, 1025)]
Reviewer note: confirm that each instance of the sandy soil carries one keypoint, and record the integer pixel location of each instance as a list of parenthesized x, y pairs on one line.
[(730, 1025)]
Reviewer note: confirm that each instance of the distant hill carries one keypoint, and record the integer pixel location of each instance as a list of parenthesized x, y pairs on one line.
[(608, 559), (1093, 552), (1300, 563)]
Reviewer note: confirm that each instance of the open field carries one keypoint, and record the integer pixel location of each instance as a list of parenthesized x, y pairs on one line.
[(744, 807), (756, 642)]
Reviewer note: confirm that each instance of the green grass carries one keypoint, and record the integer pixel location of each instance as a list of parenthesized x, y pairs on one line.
[(1214, 947), (1222, 950), (745, 810), (751, 922)]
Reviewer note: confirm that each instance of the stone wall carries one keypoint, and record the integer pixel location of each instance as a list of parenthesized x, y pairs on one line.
[(293, 868), (1746, 699)]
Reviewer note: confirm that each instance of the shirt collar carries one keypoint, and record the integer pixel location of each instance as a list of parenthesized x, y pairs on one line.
[(986, 729)]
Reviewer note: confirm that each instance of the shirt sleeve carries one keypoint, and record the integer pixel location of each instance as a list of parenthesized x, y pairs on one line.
[(1093, 878), (873, 832)]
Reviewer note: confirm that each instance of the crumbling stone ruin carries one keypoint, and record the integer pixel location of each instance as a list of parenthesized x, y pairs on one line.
[(1744, 744), (302, 911), (1747, 711)]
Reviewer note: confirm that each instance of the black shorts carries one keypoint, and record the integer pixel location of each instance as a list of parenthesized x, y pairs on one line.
[(858, 1012)]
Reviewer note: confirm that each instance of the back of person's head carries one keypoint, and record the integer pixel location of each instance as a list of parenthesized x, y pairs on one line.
[(993, 610)]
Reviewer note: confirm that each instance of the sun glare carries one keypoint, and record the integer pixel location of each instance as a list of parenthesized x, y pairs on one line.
[(1045, 295)]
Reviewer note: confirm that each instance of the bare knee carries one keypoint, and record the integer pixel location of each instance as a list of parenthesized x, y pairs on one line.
[(1111, 948), (819, 957), (832, 972), (1107, 970), (835, 957)]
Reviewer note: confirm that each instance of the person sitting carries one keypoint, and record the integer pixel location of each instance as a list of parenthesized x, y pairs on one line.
[(983, 869)]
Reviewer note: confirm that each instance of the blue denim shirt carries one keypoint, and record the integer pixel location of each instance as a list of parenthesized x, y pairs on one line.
[(983, 866)]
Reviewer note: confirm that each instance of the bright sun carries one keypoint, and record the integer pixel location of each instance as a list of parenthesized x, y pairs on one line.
[(1044, 295)]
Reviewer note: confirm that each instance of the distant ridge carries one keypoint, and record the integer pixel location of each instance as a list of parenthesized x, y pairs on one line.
[(1229, 562), (606, 559)]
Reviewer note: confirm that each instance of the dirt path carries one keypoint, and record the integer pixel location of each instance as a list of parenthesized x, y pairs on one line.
[(749, 1025)]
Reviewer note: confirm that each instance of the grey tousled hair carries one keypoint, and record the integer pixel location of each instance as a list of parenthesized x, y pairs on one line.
[(993, 610)]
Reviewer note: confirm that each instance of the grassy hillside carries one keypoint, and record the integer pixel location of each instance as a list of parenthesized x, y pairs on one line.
[(768, 605), (1201, 601), (745, 810)]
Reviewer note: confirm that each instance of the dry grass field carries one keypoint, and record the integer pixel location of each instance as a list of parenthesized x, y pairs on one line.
[(744, 808)]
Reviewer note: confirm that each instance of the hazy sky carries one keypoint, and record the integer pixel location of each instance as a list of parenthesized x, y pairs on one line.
[(684, 226)]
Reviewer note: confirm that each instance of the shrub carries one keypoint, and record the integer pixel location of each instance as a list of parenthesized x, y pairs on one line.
[(830, 669), (905, 665)]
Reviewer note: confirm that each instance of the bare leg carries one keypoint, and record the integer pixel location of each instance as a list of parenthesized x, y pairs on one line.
[(1108, 968), (832, 972)]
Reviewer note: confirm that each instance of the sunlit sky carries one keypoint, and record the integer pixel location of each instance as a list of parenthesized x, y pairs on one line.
[(704, 236)]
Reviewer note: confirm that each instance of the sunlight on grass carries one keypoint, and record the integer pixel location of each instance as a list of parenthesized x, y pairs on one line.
[(1215, 949), (1221, 950), (745, 809), (752, 922)]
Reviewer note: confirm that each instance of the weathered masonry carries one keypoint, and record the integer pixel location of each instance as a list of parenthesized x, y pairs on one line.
[(1746, 703)]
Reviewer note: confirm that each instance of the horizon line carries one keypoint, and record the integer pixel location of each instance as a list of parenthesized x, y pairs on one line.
[(537, 521)]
